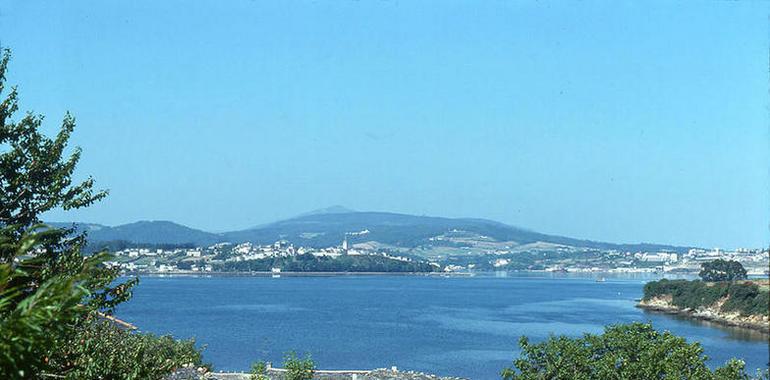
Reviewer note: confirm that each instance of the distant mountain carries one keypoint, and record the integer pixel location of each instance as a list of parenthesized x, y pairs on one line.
[(325, 229), (337, 209), (329, 226), (146, 232), (78, 226)]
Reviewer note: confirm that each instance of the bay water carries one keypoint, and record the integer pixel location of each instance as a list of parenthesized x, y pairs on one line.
[(452, 326)]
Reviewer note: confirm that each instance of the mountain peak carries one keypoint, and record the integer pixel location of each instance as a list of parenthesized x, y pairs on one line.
[(336, 209), (153, 222)]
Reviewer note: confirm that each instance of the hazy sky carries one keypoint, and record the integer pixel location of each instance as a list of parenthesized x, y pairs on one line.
[(615, 121)]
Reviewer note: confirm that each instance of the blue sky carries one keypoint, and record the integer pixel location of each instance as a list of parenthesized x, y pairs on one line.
[(621, 121)]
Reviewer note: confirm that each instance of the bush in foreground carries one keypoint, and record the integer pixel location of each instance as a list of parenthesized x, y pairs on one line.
[(296, 368), (105, 351), (632, 351), (258, 371)]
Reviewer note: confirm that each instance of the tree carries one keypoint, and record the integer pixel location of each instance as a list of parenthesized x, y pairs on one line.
[(258, 371), (722, 270), (298, 369), (52, 296), (632, 351)]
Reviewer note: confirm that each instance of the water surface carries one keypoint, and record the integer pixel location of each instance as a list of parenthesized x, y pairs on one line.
[(461, 326)]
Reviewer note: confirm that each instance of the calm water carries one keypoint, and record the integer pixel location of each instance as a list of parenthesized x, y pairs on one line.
[(446, 325)]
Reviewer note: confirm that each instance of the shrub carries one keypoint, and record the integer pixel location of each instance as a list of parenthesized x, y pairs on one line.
[(298, 369), (258, 371), (744, 298)]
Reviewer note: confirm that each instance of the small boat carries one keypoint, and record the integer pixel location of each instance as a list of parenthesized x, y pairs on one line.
[(601, 279)]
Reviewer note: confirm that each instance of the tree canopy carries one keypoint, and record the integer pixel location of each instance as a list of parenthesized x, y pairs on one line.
[(632, 351), (722, 270)]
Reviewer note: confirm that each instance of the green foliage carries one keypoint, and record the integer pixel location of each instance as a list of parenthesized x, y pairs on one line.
[(686, 294), (733, 370), (745, 298), (33, 318), (633, 351), (297, 368), (722, 270), (258, 371), (42, 306), (311, 263), (101, 350)]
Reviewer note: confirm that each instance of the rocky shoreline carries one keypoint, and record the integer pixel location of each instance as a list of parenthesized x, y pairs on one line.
[(711, 313)]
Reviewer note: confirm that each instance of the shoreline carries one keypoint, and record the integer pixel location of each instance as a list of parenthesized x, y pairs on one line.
[(707, 315), (405, 274), (295, 274), (608, 273)]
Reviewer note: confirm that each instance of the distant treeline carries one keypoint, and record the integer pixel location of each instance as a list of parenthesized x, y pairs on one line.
[(744, 297), (310, 263)]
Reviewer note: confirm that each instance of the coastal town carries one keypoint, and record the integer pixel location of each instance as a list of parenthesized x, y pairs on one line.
[(229, 257), (218, 257)]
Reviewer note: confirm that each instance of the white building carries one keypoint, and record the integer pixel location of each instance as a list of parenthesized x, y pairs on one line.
[(501, 262)]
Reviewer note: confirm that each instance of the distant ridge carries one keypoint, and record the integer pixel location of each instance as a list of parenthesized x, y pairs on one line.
[(322, 230), (336, 209), (146, 232), (329, 226)]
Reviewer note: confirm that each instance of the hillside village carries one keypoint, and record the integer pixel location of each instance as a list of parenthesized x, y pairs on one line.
[(229, 257), (215, 258)]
